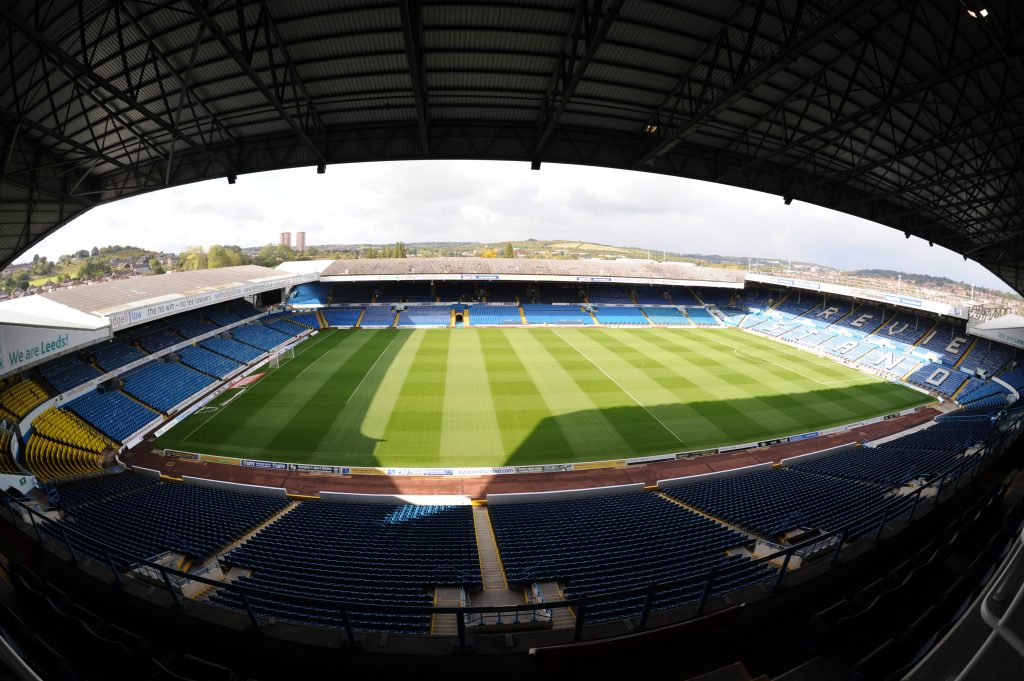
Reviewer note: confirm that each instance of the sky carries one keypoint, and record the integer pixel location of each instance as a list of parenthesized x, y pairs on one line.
[(493, 202)]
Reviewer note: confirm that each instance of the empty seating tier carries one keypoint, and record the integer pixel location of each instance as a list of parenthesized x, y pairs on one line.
[(559, 315), (701, 317), (116, 354), (192, 520), (232, 349), (371, 553), (64, 426), (113, 413), (17, 400), (601, 545), (311, 293), (494, 315), (342, 317), (207, 361), (378, 316), (159, 340), (425, 315), (771, 502), (7, 462), (260, 336), (621, 315), (668, 316), (49, 460), (67, 373), (164, 385)]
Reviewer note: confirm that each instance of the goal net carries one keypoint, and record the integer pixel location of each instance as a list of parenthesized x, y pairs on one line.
[(281, 356)]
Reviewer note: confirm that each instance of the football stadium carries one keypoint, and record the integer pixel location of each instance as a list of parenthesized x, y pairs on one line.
[(514, 467)]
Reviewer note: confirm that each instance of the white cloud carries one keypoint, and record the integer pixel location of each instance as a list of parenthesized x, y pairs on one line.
[(493, 202)]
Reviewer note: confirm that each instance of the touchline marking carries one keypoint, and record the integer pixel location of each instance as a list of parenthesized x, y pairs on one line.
[(370, 370), (584, 356)]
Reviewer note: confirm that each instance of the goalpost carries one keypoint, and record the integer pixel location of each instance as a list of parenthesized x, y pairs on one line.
[(281, 356)]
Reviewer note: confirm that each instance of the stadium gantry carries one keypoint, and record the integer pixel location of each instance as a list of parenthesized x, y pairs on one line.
[(191, 442), (908, 114)]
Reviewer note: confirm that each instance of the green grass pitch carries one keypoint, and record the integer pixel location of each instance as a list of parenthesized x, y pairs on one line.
[(496, 397)]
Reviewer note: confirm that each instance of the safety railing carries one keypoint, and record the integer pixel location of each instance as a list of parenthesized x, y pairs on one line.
[(702, 586)]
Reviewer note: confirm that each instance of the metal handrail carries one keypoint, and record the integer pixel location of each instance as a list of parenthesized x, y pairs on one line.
[(897, 509)]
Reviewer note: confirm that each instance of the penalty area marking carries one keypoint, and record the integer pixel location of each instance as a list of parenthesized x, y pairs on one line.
[(641, 404)]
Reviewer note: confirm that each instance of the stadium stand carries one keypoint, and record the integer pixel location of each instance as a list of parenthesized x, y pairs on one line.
[(221, 315), (701, 317), (620, 315), (188, 519), (260, 336), (503, 293), (311, 293), (425, 315), (847, 348), (74, 494), (864, 319), (832, 310), (495, 315), (355, 292), (560, 293), (306, 319), (455, 292), (164, 385), (342, 317), (990, 393), (67, 373), (557, 315), (599, 545), (719, 297), (889, 362), (668, 316), (948, 341), (21, 397), (115, 354), (986, 357), (60, 425), (161, 339), (192, 327), (377, 316), (50, 461), (232, 349), (937, 378), (404, 291), (659, 295), (908, 458), (207, 361), (112, 413), (7, 462), (797, 304), (285, 326), (774, 501), (903, 331), (608, 294), (387, 554), (1014, 378)]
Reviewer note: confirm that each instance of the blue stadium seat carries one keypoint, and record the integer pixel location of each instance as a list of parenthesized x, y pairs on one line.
[(384, 554), (494, 315), (164, 385), (112, 412), (342, 317)]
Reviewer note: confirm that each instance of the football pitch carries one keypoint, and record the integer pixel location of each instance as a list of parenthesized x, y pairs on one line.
[(497, 397)]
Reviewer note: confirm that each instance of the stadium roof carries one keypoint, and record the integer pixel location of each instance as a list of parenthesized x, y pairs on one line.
[(905, 113), (523, 268), (148, 298)]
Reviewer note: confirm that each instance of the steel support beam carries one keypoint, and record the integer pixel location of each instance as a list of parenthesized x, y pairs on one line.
[(411, 12)]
